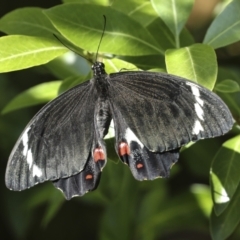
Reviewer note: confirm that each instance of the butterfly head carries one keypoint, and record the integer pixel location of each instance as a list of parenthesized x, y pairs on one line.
[(98, 69)]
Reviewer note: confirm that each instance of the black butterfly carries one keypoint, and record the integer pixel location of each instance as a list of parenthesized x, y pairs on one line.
[(154, 115)]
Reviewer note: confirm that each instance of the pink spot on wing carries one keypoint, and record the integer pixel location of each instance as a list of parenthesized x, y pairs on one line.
[(123, 149), (98, 154)]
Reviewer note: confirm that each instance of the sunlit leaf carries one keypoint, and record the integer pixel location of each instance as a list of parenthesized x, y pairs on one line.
[(174, 13), (222, 226), (203, 196), (27, 21), (225, 174), (125, 37), (140, 10), (197, 63), (19, 52)]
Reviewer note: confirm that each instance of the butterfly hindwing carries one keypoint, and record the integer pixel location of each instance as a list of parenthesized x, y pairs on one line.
[(143, 163), (57, 141), (165, 111), (88, 179)]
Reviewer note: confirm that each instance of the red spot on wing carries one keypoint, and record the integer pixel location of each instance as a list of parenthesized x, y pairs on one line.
[(98, 154), (89, 176), (139, 165), (123, 149)]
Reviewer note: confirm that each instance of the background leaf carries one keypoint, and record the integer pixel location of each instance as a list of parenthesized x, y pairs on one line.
[(27, 21), (198, 63), (141, 10), (174, 13), (41, 93), (227, 86), (225, 174), (222, 226), (19, 52), (225, 28), (126, 37)]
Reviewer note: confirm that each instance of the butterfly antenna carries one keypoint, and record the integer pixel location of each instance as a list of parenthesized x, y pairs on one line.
[(65, 45), (104, 26)]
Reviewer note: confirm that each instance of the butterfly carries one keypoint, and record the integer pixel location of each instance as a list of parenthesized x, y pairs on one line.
[(154, 114)]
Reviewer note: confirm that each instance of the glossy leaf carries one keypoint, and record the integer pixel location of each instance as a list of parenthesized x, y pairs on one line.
[(225, 174), (222, 226), (27, 21), (140, 10), (231, 99), (225, 29), (41, 93), (197, 63), (174, 13), (166, 38), (84, 28), (227, 86), (19, 52), (146, 62), (117, 65)]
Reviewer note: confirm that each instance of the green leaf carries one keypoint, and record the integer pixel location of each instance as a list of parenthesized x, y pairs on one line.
[(19, 52), (41, 93), (27, 21), (166, 38), (225, 29), (72, 82), (222, 226), (140, 10), (146, 62), (231, 99), (69, 64), (84, 28), (225, 174), (197, 63), (174, 13), (116, 65), (100, 2), (203, 197), (227, 86)]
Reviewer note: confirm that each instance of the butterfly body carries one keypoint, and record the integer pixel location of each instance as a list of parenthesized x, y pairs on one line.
[(154, 114)]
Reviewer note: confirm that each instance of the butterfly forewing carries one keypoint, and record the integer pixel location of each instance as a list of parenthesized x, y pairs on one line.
[(166, 112), (57, 142)]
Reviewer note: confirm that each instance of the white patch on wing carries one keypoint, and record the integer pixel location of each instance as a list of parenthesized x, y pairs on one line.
[(199, 111), (25, 141), (199, 102), (130, 137), (194, 89), (197, 127), (36, 171), (29, 158)]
